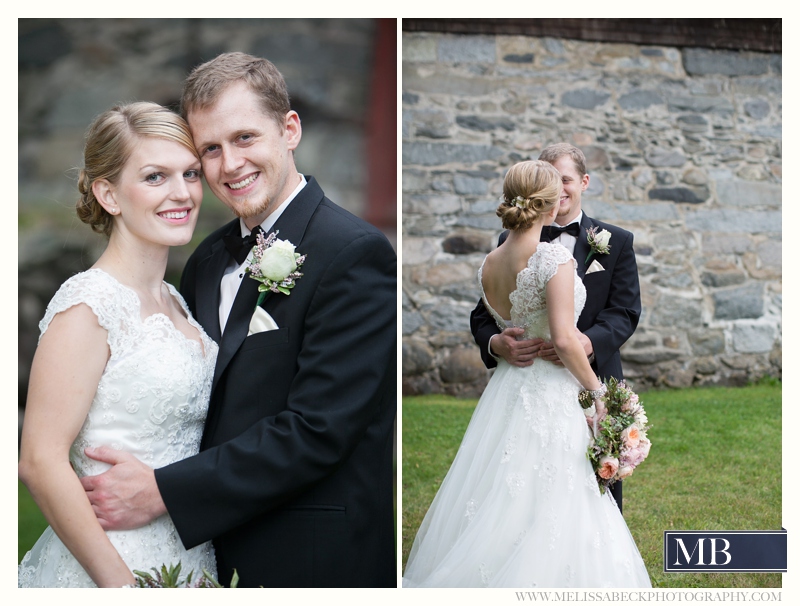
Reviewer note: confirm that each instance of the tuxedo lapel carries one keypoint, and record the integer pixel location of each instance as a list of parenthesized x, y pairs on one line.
[(209, 274), (237, 325), (582, 248), (291, 226)]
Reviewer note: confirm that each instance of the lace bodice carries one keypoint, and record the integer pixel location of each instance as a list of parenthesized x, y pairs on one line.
[(528, 303), (153, 396), (151, 401)]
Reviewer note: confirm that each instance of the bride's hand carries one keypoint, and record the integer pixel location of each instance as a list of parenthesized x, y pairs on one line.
[(599, 415), (600, 407)]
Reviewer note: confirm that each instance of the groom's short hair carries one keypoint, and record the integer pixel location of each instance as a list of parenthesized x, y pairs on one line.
[(553, 152), (207, 81)]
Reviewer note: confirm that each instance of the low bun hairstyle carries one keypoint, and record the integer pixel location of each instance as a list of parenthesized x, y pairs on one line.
[(109, 142), (530, 190)]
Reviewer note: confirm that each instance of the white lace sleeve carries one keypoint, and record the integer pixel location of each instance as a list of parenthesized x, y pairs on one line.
[(104, 297), (551, 255)]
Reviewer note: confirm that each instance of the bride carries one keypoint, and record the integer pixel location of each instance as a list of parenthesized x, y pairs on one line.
[(120, 360), (520, 506)]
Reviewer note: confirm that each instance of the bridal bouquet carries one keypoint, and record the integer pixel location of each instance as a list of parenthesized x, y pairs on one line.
[(619, 441), (171, 578)]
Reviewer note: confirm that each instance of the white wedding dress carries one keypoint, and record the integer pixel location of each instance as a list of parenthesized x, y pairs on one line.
[(151, 401), (520, 506)]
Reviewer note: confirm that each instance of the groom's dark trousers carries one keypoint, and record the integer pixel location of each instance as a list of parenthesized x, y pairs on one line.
[(294, 479), (612, 310)]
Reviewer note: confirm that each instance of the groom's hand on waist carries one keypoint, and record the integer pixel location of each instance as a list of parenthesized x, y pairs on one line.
[(516, 352), (126, 496)]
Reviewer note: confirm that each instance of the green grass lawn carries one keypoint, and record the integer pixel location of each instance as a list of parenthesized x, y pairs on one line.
[(30, 522), (715, 464)]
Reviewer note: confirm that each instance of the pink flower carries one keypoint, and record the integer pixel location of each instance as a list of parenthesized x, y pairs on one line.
[(624, 472), (631, 457), (630, 436), (608, 467), (644, 447), (630, 402)]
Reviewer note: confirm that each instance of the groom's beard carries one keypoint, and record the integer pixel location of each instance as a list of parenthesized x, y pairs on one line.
[(248, 209)]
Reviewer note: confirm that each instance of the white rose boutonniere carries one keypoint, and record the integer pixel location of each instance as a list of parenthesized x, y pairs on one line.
[(598, 242), (275, 264), (278, 261)]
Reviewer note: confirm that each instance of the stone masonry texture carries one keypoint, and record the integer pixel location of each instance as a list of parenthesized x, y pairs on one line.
[(683, 149)]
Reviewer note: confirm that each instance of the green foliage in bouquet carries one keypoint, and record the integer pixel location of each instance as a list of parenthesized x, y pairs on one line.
[(619, 441), (171, 578)]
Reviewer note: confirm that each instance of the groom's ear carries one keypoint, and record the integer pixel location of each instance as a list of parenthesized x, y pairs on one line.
[(584, 182), (292, 130)]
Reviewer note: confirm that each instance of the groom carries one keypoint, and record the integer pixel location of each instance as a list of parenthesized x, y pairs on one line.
[(294, 479), (612, 305)]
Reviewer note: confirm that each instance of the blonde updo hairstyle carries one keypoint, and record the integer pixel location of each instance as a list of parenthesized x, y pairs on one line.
[(110, 141), (530, 190)]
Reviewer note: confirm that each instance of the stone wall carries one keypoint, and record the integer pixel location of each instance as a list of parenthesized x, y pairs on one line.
[(683, 149)]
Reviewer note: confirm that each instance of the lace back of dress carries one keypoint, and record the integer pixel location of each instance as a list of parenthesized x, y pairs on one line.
[(528, 301)]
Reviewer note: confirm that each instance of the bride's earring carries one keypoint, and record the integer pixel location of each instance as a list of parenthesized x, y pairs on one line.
[(104, 196)]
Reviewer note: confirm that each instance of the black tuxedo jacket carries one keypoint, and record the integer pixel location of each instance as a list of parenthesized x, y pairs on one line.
[(294, 478), (613, 304)]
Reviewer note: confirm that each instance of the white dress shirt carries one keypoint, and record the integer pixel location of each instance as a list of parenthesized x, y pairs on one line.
[(234, 273), (568, 240)]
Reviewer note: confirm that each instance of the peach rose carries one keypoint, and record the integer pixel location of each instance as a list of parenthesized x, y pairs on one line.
[(630, 436), (624, 472), (608, 467)]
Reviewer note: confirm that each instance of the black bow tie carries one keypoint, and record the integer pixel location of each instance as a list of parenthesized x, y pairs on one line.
[(551, 232), (240, 247)]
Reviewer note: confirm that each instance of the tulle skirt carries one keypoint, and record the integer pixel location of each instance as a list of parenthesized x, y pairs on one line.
[(520, 506)]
